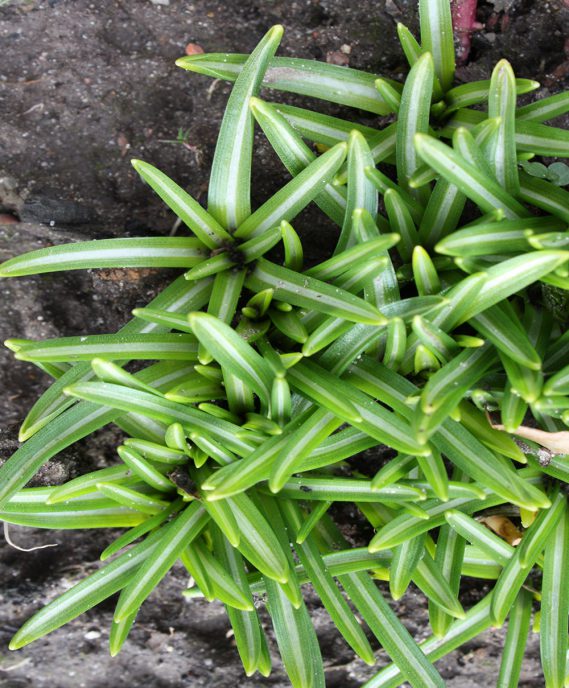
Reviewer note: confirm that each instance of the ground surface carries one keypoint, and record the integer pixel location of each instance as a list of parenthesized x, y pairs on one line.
[(85, 86)]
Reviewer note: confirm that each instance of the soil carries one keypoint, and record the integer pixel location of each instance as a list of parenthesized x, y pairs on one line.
[(84, 87)]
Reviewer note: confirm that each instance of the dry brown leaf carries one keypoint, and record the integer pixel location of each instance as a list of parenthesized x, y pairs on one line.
[(502, 526), (556, 442)]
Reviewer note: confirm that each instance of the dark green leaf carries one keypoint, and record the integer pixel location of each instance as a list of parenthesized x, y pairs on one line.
[(545, 108), (476, 92), (296, 155), (86, 594), (112, 347)]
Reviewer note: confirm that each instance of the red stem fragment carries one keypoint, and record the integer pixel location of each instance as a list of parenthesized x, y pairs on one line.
[(464, 23)]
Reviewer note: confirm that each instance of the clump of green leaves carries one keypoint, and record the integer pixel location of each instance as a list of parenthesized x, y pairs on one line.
[(425, 331)]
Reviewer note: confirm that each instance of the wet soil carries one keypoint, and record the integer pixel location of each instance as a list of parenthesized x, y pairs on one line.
[(84, 87)]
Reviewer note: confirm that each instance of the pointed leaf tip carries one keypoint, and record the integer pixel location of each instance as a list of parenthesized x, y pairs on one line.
[(256, 103)]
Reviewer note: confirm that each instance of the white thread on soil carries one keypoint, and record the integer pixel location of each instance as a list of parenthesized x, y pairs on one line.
[(11, 543)]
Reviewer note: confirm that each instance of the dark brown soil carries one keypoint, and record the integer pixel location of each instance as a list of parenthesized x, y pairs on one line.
[(84, 86)]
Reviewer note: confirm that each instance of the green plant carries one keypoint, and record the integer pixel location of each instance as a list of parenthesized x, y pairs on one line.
[(557, 172), (427, 320)]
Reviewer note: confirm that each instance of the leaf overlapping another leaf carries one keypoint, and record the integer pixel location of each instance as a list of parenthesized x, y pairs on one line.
[(425, 332)]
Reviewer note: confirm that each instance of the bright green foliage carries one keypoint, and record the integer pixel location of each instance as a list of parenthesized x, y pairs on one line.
[(426, 330)]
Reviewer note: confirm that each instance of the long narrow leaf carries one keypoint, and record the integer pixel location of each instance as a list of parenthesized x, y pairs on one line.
[(515, 643), (530, 137), (515, 571), (141, 529), (449, 557), (326, 588), (406, 557), (30, 507), (545, 195), (294, 630), (485, 192), (512, 275), (105, 582), (286, 203), (176, 536), (245, 624), (376, 421), (230, 179), (413, 116), (508, 236), (502, 104), (390, 632), (437, 38), (361, 192), (307, 292), (476, 621), (316, 79), (382, 621), (200, 222), (349, 489), (232, 352), (544, 108), (442, 212), (66, 429), (112, 347), (344, 261), (154, 252), (476, 92), (296, 155), (178, 297), (555, 604), (119, 397)]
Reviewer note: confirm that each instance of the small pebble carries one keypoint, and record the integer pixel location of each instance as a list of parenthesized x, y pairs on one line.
[(160, 2), (123, 144), (336, 57), (92, 635), (193, 49)]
